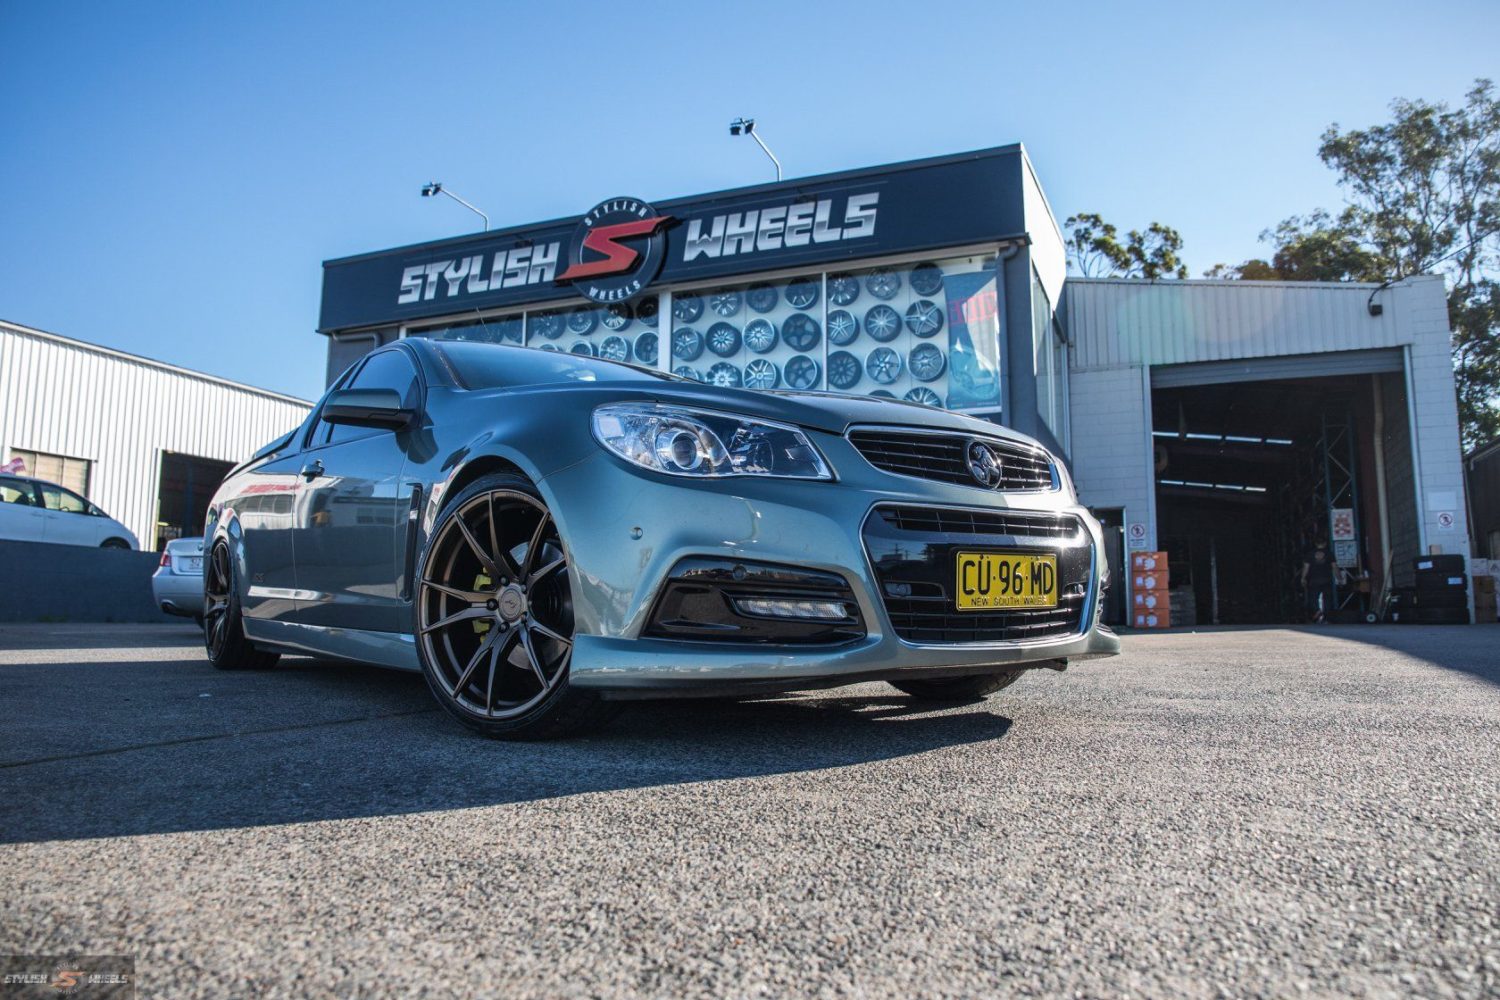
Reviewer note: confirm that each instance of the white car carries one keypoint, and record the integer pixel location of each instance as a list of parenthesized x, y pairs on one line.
[(177, 584), (34, 510)]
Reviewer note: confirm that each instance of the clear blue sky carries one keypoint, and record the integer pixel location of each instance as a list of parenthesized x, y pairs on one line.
[(173, 175)]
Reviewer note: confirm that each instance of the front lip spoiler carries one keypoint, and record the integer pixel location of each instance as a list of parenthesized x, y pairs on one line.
[(618, 667)]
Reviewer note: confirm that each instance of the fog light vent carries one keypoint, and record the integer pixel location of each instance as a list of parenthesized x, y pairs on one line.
[(772, 607)]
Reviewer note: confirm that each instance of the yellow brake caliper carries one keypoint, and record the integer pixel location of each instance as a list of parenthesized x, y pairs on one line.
[(482, 582)]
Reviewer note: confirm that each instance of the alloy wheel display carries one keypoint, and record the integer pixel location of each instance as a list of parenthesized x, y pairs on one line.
[(883, 283), (760, 336), (687, 344), (923, 318), (582, 347), (926, 362), (549, 325), (762, 297), (724, 302), (723, 339), (645, 349), (883, 365), (581, 321), (882, 323), (925, 396), (645, 311), (842, 289), (725, 376), (614, 348), (802, 293), (926, 279), (688, 371), (844, 370), (686, 308), (843, 328), (801, 372), (616, 317), (800, 331), (762, 374)]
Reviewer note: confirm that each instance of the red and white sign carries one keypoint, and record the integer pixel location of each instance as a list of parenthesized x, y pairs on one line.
[(1341, 524)]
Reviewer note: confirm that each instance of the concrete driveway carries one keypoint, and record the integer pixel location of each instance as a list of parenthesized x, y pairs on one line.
[(1240, 813)]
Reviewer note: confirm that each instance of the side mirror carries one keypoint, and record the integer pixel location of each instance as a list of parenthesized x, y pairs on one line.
[(367, 408)]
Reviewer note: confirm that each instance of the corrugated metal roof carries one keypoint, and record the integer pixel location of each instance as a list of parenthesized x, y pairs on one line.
[(1118, 322)]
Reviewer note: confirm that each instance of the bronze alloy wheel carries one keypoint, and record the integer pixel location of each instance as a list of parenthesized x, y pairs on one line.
[(223, 626), (495, 612), (216, 586)]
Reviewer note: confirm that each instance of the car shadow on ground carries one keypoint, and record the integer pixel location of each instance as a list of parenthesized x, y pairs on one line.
[(167, 746)]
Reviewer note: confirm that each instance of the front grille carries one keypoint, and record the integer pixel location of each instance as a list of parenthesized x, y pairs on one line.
[(941, 457), (954, 521), (913, 551), (932, 621)]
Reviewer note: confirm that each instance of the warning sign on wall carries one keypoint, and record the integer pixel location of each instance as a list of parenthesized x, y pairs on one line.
[(1341, 524), (1137, 535)]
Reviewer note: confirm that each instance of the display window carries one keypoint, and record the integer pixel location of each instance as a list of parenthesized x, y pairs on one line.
[(626, 332), (756, 335), (927, 332)]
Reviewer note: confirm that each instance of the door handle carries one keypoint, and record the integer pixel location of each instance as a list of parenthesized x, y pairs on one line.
[(312, 470)]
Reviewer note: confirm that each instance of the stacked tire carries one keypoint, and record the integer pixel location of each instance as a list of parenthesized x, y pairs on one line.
[(1441, 596)]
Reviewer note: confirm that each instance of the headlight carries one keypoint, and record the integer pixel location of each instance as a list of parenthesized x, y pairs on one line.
[(683, 442)]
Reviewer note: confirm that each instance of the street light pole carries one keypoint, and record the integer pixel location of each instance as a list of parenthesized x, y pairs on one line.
[(436, 188), (747, 126)]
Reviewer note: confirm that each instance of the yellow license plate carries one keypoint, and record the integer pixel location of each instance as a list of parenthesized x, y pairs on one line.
[(989, 580)]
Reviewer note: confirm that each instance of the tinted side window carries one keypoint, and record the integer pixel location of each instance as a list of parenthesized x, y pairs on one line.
[(17, 492), (387, 370), (54, 498)]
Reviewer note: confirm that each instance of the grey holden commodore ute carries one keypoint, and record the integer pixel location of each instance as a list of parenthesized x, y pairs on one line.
[(546, 536)]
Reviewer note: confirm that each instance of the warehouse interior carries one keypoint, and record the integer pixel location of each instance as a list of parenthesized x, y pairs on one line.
[(1247, 474), (185, 485)]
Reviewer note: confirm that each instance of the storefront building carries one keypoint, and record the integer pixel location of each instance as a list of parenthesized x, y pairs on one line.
[(1184, 409)]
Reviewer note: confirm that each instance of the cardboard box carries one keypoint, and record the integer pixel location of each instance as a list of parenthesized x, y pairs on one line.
[(1156, 580), (1151, 600), (1152, 619), (1147, 561)]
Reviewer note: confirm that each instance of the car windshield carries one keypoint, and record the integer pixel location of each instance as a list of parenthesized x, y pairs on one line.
[(490, 366)]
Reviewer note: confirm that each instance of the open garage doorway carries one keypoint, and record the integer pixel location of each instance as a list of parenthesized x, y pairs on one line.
[(186, 484), (1251, 476)]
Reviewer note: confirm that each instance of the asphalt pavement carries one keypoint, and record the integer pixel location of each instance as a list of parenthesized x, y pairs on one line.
[(1269, 812)]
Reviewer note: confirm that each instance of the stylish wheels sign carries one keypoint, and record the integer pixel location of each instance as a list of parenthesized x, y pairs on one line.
[(617, 250)]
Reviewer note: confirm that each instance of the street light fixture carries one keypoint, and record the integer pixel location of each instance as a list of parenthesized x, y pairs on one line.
[(747, 127), (436, 188)]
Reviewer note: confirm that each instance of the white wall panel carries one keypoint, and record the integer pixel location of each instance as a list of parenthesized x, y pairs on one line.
[(1115, 322), (121, 412)]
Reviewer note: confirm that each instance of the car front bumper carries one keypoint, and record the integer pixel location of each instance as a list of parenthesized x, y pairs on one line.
[(627, 529)]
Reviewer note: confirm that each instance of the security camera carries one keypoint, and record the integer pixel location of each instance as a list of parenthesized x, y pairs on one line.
[(428, 190)]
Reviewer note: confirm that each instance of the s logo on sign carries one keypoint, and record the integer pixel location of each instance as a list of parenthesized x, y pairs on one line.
[(617, 250)]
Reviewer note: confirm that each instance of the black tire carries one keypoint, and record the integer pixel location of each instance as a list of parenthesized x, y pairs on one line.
[(224, 631), (114, 543), (971, 688), (557, 710)]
